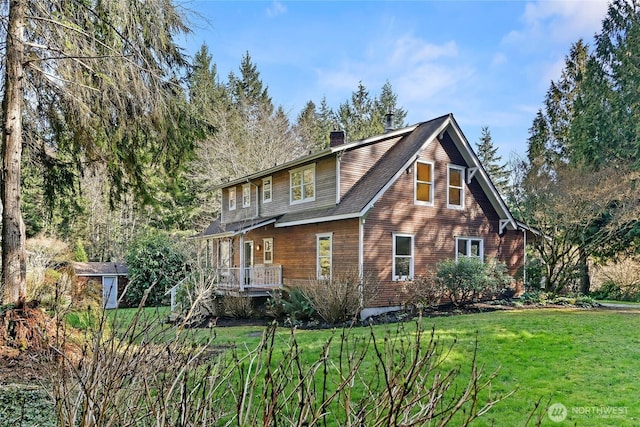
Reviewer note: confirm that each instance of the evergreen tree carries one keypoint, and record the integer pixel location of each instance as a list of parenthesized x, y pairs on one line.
[(248, 94), (96, 88), (362, 116), (608, 128), (488, 155), (388, 102)]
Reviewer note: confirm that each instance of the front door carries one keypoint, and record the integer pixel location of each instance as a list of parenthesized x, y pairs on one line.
[(110, 291), (248, 262)]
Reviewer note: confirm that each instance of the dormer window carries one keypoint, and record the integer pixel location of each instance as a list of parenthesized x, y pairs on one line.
[(267, 188), (232, 199), (302, 184), (246, 195)]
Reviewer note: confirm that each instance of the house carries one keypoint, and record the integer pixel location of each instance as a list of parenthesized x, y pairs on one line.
[(110, 277), (392, 205)]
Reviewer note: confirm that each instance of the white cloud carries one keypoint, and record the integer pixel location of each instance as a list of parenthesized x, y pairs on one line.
[(276, 8), (409, 50), (558, 21), (417, 70)]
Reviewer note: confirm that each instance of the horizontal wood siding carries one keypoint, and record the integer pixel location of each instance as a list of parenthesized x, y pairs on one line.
[(434, 227), (295, 248), (355, 163), (325, 194)]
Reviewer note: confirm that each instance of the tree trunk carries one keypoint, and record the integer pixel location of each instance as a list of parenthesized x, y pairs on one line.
[(14, 269), (585, 280)]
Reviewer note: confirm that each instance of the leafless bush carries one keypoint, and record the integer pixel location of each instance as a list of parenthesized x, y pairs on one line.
[(44, 283), (625, 273), (151, 376), (424, 291), (341, 297), (238, 307)]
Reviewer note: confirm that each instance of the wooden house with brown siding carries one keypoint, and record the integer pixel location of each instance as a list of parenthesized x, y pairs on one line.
[(392, 205)]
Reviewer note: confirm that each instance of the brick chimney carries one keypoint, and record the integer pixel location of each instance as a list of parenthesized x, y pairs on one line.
[(336, 138)]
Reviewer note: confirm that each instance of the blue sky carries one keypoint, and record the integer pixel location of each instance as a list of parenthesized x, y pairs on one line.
[(489, 63)]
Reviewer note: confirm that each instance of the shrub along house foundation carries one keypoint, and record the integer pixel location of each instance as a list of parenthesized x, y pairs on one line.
[(390, 206)]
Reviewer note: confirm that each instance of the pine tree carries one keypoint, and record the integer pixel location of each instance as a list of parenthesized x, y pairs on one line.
[(489, 158)]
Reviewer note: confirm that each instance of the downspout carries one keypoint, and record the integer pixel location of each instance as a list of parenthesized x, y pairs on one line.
[(338, 188), (241, 275), (524, 260), (257, 198)]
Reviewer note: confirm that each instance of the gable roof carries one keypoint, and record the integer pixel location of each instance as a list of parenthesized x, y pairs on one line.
[(374, 183), (100, 268)]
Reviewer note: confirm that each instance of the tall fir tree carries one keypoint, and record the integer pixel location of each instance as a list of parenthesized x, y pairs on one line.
[(488, 155)]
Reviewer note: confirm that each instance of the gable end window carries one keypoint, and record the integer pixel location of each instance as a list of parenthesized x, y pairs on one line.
[(232, 199), (302, 183), (402, 256), (246, 195), (267, 185), (455, 187), (470, 247), (423, 189)]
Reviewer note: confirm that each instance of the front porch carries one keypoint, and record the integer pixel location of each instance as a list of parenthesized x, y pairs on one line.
[(255, 281)]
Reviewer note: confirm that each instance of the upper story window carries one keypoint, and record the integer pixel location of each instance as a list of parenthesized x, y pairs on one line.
[(232, 198), (402, 256), (303, 184), (455, 187), (424, 183), (246, 195), (470, 247), (267, 184)]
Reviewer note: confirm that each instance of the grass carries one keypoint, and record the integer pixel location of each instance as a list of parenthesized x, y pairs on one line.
[(583, 359)]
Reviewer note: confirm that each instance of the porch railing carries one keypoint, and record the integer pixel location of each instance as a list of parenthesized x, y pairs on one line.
[(247, 278)]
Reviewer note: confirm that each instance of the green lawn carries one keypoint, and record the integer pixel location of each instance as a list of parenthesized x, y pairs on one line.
[(586, 360)]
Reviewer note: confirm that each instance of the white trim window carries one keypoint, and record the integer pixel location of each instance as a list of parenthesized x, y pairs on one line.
[(402, 256), (246, 195), (267, 189), (455, 187), (302, 184), (423, 183), (324, 251), (267, 250), (470, 247), (224, 254), (232, 199)]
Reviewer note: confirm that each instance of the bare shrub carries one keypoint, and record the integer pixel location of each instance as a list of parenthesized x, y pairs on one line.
[(238, 307), (424, 291), (152, 375), (341, 297), (44, 282), (624, 274)]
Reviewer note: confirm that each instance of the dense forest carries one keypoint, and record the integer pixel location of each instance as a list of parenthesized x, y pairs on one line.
[(101, 160)]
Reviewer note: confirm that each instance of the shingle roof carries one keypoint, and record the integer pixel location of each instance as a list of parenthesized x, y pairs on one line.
[(371, 183), (100, 268), (218, 228)]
